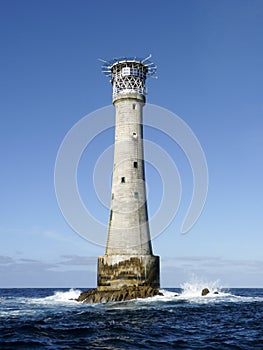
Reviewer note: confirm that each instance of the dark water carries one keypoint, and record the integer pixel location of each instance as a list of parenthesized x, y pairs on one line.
[(47, 319)]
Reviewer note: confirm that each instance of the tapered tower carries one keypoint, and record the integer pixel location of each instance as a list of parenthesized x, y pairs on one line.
[(128, 258)]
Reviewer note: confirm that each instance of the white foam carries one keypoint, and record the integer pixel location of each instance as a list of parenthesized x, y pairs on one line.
[(59, 297), (192, 293), (194, 287)]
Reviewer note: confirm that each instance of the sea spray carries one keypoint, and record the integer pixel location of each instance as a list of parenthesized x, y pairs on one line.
[(194, 287), (59, 297)]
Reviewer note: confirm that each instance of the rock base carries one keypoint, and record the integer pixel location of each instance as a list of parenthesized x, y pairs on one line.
[(126, 293), (118, 271)]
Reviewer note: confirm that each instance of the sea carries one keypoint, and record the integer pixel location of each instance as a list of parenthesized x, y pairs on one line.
[(50, 318)]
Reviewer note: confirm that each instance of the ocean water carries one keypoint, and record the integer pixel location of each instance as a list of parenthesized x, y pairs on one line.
[(51, 319)]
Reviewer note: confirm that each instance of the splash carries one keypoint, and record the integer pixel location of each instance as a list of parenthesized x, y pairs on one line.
[(59, 297), (70, 295), (191, 292), (194, 287)]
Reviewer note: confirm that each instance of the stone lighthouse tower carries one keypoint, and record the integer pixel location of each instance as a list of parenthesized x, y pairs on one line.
[(128, 258)]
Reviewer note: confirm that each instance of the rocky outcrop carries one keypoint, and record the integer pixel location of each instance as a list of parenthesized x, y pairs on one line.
[(205, 291), (126, 293)]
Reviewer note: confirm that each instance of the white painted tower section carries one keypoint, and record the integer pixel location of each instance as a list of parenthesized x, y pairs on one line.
[(128, 227), (128, 259)]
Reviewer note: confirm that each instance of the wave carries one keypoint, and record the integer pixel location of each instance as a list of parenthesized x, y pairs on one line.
[(17, 306), (59, 297), (189, 293)]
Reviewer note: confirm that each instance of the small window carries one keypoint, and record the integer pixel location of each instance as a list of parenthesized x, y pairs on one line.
[(110, 215), (123, 180), (136, 195), (135, 165), (134, 134), (141, 131), (125, 71), (133, 106), (112, 196)]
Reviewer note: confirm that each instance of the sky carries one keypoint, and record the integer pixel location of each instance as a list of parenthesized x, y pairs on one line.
[(209, 56)]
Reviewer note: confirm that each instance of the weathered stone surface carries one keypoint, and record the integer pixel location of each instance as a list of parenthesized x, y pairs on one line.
[(118, 271), (205, 291), (126, 293)]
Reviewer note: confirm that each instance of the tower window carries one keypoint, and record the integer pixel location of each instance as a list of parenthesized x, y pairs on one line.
[(112, 196), (135, 165), (134, 135), (123, 180), (110, 215), (133, 106), (136, 195), (141, 131)]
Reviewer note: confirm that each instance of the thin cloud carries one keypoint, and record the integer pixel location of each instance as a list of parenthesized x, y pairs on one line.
[(5, 260), (211, 261), (176, 270), (34, 273), (77, 260), (28, 260)]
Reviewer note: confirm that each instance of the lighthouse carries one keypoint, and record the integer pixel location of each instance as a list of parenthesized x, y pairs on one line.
[(128, 259)]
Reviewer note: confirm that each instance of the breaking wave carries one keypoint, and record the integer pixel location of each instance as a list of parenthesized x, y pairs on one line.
[(189, 292)]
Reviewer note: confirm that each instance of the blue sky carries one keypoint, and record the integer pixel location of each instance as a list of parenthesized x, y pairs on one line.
[(209, 55)]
